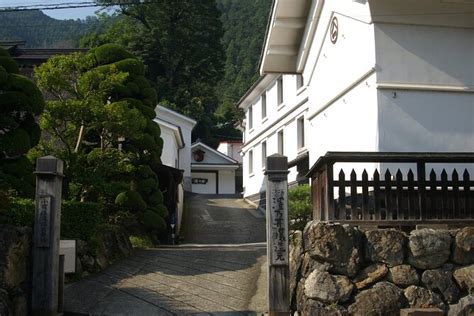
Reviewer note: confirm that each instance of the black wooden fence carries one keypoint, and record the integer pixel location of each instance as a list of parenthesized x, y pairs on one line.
[(396, 197)]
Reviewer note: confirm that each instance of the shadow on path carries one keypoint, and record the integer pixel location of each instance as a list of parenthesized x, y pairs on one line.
[(216, 275)]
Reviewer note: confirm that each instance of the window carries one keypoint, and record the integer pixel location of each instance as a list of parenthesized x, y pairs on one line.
[(251, 162), (299, 81), (251, 117), (300, 131), (280, 90), (264, 155), (280, 142), (264, 105)]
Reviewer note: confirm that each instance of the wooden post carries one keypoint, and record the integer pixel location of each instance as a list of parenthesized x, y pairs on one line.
[(45, 280), (277, 236)]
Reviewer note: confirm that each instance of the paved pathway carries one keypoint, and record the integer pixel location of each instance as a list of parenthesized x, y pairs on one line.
[(219, 270)]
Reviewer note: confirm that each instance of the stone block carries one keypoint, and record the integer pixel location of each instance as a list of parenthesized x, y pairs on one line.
[(429, 248), (385, 246), (335, 244), (403, 275), (421, 312), (383, 298), (463, 248)]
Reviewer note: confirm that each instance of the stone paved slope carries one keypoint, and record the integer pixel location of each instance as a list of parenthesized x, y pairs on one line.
[(218, 271)]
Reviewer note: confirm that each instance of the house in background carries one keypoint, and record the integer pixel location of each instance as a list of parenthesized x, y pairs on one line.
[(176, 132), (360, 76), (233, 149), (175, 172), (28, 58), (212, 172)]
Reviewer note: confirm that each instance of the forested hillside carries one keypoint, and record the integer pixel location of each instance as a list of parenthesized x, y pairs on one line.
[(193, 72), (42, 31), (244, 25)]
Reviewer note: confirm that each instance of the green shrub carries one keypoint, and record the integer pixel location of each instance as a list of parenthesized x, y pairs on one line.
[(4, 52), (154, 222), (156, 198), (131, 65), (141, 241), (147, 186), (9, 64), (19, 212), (160, 210), (81, 220), (15, 142), (299, 206), (147, 111), (130, 200), (110, 53), (3, 75)]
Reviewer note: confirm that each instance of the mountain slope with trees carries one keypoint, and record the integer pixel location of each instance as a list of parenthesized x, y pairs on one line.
[(201, 56), (42, 31), (245, 24)]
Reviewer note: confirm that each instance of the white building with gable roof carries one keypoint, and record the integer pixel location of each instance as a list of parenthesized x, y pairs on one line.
[(359, 75)]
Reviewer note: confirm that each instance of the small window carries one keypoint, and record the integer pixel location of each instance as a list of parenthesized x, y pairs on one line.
[(300, 129), (299, 81), (250, 161), (264, 155), (280, 142), (280, 90), (264, 105), (251, 117)]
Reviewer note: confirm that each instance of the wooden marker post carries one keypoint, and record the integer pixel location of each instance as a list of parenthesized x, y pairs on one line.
[(45, 280), (277, 235)]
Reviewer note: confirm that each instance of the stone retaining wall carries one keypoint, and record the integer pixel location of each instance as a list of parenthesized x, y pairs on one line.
[(340, 270), (110, 245), (15, 281), (16, 260)]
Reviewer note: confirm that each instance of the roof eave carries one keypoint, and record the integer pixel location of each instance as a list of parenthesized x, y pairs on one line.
[(283, 36)]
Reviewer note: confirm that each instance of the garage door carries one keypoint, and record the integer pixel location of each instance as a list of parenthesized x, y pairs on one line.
[(204, 182)]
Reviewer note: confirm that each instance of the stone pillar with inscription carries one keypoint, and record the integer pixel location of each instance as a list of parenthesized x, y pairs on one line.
[(45, 280), (277, 235)]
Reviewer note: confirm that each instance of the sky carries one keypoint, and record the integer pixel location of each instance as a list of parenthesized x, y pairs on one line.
[(79, 13)]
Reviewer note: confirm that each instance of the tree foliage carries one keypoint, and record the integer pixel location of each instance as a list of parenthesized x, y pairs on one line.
[(20, 102), (100, 122), (299, 206), (180, 43), (245, 22), (201, 68)]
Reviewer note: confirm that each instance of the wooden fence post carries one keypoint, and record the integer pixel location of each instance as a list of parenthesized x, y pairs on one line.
[(45, 280), (277, 235)]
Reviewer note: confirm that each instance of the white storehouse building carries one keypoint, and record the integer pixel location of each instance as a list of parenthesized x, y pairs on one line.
[(176, 132), (360, 75), (212, 171)]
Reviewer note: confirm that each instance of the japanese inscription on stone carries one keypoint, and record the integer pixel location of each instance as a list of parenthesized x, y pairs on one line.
[(44, 220), (279, 224)]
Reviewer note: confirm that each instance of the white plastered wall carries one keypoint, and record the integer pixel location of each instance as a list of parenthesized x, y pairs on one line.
[(226, 181), (209, 187), (169, 156)]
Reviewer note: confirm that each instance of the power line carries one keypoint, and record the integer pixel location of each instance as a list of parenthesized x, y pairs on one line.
[(71, 5), (88, 4)]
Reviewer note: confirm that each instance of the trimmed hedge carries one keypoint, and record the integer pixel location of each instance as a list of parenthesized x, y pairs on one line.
[(20, 212), (130, 201), (154, 222), (110, 53), (81, 220), (78, 220)]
